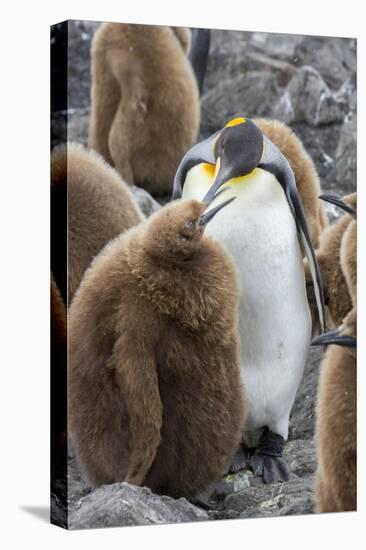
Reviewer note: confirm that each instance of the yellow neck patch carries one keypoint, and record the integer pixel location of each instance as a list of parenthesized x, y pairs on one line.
[(244, 179), (235, 122)]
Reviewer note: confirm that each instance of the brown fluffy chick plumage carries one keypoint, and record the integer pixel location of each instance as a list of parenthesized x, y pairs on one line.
[(155, 396), (91, 205), (144, 101), (337, 296), (336, 427)]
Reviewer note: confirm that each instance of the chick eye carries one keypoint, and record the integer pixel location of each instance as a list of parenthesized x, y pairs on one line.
[(189, 225)]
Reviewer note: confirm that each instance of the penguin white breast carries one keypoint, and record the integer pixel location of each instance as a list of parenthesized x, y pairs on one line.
[(259, 230)]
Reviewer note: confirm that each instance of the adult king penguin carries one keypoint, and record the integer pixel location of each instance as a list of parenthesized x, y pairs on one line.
[(264, 229)]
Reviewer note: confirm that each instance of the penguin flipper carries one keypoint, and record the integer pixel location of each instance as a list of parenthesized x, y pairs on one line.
[(136, 376), (201, 152), (273, 161), (298, 211)]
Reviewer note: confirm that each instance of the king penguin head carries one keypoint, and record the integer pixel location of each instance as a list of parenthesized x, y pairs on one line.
[(238, 150)]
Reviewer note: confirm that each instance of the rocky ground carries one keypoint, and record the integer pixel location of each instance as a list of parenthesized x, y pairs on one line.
[(309, 83)]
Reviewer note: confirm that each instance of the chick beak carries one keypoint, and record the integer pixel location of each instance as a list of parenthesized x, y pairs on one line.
[(334, 337), (333, 199), (207, 216)]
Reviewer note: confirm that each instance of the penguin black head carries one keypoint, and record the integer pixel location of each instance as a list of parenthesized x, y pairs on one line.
[(174, 233), (238, 150)]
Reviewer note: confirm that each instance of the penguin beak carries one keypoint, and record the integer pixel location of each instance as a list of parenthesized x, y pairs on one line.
[(334, 337), (207, 216), (333, 199), (221, 176)]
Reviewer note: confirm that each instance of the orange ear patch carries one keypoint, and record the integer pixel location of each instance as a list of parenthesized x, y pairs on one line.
[(236, 121), (209, 169)]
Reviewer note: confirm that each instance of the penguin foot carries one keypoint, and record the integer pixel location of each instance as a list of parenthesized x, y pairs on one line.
[(239, 462), (272, 469), (267, 460)]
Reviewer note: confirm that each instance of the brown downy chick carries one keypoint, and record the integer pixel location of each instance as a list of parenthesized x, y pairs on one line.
[(338, 300), (91, 205), (306, 176), (155, 395), (184, 36), (144, 101), (348, 254), (336, 428)]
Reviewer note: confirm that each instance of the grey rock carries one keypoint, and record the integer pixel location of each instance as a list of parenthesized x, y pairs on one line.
[(232, 483), (236, 52), (344, 173), (282, 46), (242, 481), (302, 504), (251, 93), (78, 125), (308, 98), (77, 121), (273, 500), (245, 495), (346, 96), (58, 511), (300, 456), (59, 498), (321, 143), (260, 61), (122, 504), (77, 487), (334, 58), (223, 514), (145, 201), (80, 34), (302, 418), (227, 57)]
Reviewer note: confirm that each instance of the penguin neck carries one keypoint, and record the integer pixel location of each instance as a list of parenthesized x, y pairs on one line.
[(182, 291)]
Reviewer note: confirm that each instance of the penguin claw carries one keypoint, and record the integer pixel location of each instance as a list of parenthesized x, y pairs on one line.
[(271, 469)]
